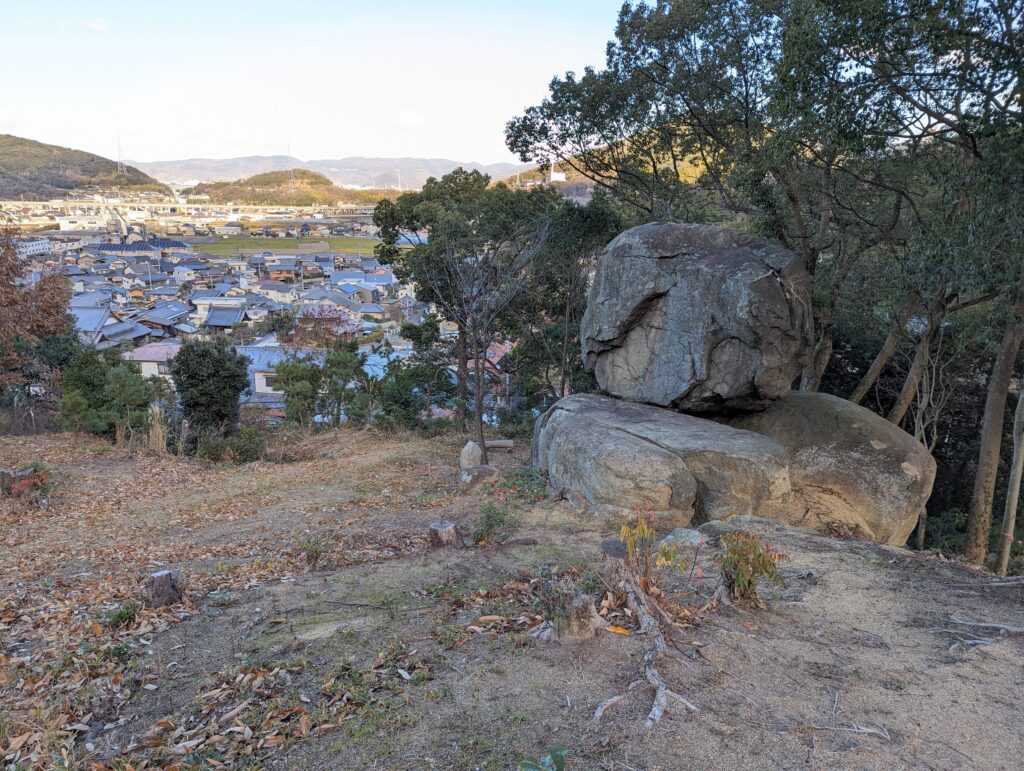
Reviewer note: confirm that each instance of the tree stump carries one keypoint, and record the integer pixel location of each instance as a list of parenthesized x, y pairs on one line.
[(444, 533), (164, 588)]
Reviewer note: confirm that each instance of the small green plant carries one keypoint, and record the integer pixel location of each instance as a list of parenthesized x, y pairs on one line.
[(495, 523), (123, 615), (313, 547), (645, 557), (552, 760), (746, 559), (527, 484)]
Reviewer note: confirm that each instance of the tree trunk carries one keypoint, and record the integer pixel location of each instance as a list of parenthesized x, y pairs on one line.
[(922, 523), (462, 376), (1012, 488), (913, 379), (478, 400), (884, 356), (980, 519), (810, 378)]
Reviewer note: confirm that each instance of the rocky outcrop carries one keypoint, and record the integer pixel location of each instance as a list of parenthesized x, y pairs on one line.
[(698, 318), (852, 471), (615, 458)]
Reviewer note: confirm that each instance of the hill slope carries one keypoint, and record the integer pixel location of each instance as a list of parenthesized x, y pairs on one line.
[(856, 663), (35, 169), (407, 173), (292, 187)]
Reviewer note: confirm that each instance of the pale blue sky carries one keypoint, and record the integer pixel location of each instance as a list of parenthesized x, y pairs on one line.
[(329, 79)]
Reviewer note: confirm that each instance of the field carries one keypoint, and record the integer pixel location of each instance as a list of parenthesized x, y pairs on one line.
[(321, 630), (230, 246)]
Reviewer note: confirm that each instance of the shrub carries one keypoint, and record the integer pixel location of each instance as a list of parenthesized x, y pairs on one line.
[(495, 523), (746, 559), (313, 547), (41, 481), (211, 447), (644, 557), (248, 446)]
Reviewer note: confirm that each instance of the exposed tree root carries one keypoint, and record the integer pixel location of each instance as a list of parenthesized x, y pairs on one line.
[(651, 617)]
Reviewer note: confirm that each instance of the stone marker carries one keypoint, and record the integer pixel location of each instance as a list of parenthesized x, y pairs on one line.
[(164, 588), (697, 318), (472, 477), (471, 455)]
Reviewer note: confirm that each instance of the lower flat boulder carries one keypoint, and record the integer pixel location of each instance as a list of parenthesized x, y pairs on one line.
[(616, 458), (853, 472)]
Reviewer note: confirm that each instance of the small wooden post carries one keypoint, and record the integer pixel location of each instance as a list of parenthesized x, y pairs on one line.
[(443, 533)]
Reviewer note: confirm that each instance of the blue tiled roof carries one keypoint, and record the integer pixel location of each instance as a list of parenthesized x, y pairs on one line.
[(138, 246), (224, 317)]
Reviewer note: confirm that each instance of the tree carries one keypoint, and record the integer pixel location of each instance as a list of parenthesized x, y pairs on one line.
[(544, 319), (30, 313), (210, 377), (300, 380), (480, 243), (104, 397), (1013, 489), (346, 384), (710, 111), (952, 71)]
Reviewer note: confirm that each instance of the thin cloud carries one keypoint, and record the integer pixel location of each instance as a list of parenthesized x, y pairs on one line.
[(96, 25)]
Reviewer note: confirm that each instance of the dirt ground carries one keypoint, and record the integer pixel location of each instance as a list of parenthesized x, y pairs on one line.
[(389, 654)]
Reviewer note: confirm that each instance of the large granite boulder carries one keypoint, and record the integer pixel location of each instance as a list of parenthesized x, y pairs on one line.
[(852, 471), (698, 318), (615, 458)]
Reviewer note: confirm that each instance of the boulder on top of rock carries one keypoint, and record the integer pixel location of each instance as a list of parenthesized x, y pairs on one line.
[(853, 472), (615, 458), (698, 318)]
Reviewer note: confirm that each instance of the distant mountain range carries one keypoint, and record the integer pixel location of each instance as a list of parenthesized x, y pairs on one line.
[(407, 173), (30, 169)]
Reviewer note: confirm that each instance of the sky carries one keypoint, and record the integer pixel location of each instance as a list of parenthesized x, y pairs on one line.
[(316, 79)]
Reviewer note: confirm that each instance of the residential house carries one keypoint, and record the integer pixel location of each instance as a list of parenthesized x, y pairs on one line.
[(155, 358)]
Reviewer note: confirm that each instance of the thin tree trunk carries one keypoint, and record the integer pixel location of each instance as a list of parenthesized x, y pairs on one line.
[(922, 523), (1012, 488), (884, 356), (913, 379), (810, 378), (980, 518), (478, 399), (462, 376)]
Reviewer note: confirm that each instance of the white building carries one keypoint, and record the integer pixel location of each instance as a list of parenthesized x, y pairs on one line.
[(29, 248)]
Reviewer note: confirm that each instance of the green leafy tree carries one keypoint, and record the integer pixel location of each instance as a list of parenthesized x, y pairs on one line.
[(210, 377), (346, 384), (104, 398), (481, 242), (300, 380)]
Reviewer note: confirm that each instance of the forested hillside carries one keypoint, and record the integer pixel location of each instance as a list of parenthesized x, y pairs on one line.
[(35, 169)]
